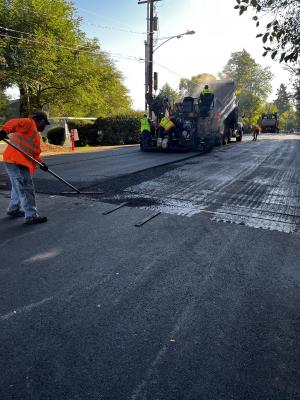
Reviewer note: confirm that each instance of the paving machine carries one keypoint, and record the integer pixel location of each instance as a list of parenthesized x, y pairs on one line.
[(193, 129)]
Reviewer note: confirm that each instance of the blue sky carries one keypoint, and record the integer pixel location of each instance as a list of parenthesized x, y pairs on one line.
[(219, 32)]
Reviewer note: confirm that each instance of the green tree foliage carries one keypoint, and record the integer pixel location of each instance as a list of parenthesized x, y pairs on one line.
[(168, 92), (6, 109), (52, 62), (297, 101), (281, 36), (4, 104), (248, 75), (253, 84), (282, 101), (287, 120), (193, 86)]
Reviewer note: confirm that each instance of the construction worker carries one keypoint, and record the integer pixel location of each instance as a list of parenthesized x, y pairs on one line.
[(24, 134), (205, 101), (166, 123), (164, 128), (145, 130), (256, 131)]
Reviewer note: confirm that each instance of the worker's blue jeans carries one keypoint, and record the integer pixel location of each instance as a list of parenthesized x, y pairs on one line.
[(145, 138), (22, 190)]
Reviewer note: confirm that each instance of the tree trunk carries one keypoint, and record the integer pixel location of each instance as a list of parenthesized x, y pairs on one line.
[(24, 102)]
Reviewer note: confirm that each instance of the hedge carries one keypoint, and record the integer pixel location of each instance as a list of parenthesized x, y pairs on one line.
[(119, 130), (56, 136), (104, 131)]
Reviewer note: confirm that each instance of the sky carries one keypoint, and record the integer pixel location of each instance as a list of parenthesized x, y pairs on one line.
[(120, 26)]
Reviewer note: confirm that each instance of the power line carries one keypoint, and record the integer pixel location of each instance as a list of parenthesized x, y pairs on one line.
[(97, 15), (91, 23), (112, 28), (80, 48), (114, 55)]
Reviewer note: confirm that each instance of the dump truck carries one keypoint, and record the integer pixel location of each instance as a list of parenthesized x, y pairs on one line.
[(269, 123), (191, 130)]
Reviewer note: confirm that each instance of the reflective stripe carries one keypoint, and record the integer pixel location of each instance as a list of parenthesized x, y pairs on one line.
[(24, 148), (166, 123), (29, 141)]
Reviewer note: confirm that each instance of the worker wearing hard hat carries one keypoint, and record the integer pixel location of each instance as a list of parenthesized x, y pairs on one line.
[(24, 134)]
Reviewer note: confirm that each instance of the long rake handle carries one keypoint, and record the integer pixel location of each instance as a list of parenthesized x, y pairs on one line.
[(41, 165)]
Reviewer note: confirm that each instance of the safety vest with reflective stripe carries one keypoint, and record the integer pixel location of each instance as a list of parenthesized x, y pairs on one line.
[(145, 125), (206, 91), (22, 132), (166, 124)]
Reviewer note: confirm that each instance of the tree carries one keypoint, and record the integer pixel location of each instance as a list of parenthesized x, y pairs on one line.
[(297, 102), (4, 103), (248, 75), (282, 32), (253, 84), (52, 62), (6, 110), (287, 120), (282, 101), (168, 92), (193, 86)]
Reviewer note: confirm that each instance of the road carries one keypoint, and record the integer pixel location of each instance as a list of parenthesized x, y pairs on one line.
[(201, 302)]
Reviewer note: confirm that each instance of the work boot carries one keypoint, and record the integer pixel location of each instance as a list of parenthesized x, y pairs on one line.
[(15, 213), (36, 219)]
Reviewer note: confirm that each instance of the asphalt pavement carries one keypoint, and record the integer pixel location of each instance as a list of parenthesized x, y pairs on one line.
[(194, 304)]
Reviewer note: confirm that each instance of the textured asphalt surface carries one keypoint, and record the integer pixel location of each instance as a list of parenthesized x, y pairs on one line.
[(184, 307)]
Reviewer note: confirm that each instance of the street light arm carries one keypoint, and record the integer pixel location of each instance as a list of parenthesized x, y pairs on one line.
[(173, 37)]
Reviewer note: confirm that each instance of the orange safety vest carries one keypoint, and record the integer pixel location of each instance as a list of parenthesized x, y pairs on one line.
[(166, 124), (23, 133)]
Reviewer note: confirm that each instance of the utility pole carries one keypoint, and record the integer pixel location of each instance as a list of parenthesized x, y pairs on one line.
[(149, 52), (151, 34)]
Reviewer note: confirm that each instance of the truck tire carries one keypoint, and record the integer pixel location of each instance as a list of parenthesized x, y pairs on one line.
[(142, 148), (225, 140)]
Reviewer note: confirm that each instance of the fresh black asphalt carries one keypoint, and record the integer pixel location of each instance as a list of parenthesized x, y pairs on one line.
[(92, 307)]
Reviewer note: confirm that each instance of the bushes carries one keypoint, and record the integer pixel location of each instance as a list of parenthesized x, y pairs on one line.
[(56, 136), (104, 131), (119, 130)]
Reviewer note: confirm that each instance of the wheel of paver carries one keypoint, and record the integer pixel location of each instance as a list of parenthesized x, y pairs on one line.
[(225, 140), (239, 138), (208, 148), (218, 141)]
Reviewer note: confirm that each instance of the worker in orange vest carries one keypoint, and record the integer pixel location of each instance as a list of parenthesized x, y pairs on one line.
[(256, 131), (24, 134)]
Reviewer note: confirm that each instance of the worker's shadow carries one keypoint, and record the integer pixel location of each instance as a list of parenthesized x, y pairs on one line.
[(11, 228)]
